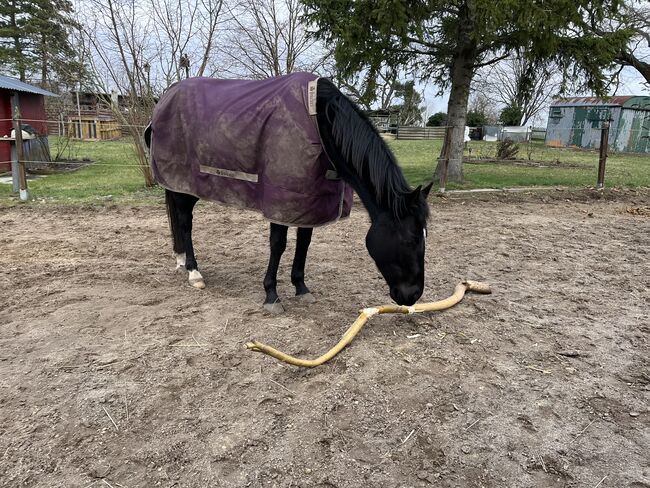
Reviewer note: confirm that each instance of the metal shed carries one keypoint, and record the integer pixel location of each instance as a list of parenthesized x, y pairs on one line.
[(578, 121)]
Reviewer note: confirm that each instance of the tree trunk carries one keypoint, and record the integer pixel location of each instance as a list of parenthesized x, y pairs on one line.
[(44, 62), (18, 49), (462, 72)]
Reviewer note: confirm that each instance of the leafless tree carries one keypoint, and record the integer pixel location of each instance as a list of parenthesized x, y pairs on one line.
[(268, 38), (480, 103), (119, 32), (138, 46), (518, 82), (185, 30)]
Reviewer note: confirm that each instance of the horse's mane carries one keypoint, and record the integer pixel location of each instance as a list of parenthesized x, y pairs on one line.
[(361, 146)]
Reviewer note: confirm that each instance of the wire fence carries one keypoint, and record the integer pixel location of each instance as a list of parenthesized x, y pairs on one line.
[(125, 157), (642, 128), (69, 162), (69, 120)]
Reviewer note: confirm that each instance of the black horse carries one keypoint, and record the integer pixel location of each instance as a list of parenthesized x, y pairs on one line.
[(398, 214)]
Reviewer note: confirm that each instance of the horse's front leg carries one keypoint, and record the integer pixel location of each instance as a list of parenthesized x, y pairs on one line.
[(278, 243), (298, 269)]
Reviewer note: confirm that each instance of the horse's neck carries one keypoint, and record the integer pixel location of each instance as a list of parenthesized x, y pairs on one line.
[(367, 194), (348, 173)]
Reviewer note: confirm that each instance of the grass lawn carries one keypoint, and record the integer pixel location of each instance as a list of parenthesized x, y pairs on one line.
[(115, 177), (418, 159)]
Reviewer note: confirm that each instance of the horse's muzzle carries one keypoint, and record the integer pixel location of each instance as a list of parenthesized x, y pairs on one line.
[(405, 295)]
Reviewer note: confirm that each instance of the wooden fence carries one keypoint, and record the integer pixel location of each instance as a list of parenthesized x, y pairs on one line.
[(93, 128), (414, 133)]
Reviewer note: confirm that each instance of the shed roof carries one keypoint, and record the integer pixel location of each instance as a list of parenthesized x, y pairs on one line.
[(13, 84), (634, 101)]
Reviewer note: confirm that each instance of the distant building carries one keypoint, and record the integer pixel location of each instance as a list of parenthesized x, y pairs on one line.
[(383, 119), (506, 133), (578, 122), (92, 118), (90, 115)]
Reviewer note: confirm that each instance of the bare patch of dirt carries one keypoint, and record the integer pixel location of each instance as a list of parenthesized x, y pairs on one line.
[(114, 371), (55, 167)]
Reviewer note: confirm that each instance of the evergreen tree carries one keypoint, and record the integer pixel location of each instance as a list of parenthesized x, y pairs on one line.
[(447, 41), (511, 115), (476, 119), (14, 27), (34, 40), (437, 120)]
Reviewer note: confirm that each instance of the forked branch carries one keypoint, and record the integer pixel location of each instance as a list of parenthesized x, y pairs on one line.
[(365, 314)]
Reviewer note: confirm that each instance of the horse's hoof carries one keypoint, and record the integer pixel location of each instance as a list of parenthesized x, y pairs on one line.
[(274, 308), (307, 298), (196, 280)]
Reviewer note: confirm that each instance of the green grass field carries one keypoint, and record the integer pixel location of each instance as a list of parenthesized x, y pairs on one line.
[(418, 159), (115, 177)]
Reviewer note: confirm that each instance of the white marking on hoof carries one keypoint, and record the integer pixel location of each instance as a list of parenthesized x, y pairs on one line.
[(180, 261), (274, 308), (196, 280), (307, 298)]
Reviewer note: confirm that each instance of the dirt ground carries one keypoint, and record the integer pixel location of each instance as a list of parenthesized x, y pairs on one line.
[(115, 372)]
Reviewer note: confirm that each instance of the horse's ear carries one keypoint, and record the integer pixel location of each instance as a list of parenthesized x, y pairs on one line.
[(415, 195), (426, 190)]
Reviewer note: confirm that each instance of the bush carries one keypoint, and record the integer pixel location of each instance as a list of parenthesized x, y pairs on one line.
[(507, 149)]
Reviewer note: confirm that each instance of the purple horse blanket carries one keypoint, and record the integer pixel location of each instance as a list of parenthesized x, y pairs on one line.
[(251, 144)]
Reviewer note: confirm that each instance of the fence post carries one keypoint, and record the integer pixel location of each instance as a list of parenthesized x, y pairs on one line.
[(604, 141), (445, 159), (19, 167)]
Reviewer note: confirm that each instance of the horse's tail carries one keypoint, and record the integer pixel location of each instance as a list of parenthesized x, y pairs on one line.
[(174, 227)]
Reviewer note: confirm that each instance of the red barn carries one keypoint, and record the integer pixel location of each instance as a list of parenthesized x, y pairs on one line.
[(32, 110)]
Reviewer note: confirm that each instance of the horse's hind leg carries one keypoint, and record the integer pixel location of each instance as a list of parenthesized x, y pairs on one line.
[(278, 243), (179, 210), (298, 269)]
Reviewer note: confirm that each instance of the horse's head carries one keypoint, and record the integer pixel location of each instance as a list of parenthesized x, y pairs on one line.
[(397, 247)]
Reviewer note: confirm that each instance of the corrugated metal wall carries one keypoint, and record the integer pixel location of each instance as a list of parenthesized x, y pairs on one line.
[(633, 131), (580, 126)]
